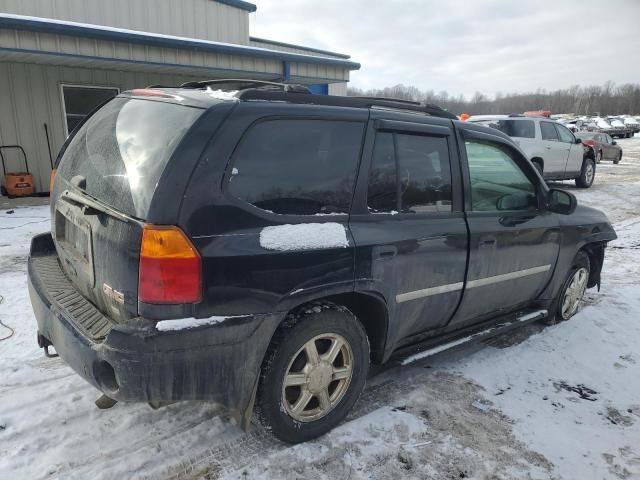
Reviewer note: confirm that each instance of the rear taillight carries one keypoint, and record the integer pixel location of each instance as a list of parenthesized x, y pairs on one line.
[(170, 267)]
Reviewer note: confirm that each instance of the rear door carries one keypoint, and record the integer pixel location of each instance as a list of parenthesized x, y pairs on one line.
[(104, 185), (407, 222), (608, 151), (555, 152), (514, 241)]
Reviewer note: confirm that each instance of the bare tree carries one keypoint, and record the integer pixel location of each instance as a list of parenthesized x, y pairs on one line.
[(607, 99)]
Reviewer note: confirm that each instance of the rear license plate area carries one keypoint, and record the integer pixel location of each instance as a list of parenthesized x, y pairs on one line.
[(74, 241)]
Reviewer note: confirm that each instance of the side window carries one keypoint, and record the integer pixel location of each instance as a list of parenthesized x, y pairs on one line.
[(497, 182), (548, 131), (565, 135), (297, 167), (410, 174)]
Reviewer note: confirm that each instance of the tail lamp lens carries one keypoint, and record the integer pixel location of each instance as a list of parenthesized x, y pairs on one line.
[(170, 267)]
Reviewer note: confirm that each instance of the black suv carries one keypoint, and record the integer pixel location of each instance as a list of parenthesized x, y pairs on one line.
[(251, 243)]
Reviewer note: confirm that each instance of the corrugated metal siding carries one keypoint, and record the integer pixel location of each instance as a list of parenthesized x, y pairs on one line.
[(93, 50), (205, 19), (31, 96), (338, 89), (284, 48)]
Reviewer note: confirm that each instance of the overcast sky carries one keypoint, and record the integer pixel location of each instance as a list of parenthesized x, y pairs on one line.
[(467, 46)]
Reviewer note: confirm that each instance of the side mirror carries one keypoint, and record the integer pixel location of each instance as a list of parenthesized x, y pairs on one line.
[(516, 201), (613, 142), (562, 202), (578, 140)]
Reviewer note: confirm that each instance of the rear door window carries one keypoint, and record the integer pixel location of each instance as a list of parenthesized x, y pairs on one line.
[(548, 131), (410, 174), (516, 128), (297, 167), (122, 150)]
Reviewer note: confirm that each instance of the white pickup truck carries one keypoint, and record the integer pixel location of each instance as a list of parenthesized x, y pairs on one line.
[(550, 146)]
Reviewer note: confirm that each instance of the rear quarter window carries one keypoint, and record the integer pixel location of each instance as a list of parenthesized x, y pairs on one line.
[(297, 167), (122, 150)]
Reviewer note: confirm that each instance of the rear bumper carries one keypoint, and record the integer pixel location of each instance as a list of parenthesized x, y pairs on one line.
[(136, 362)]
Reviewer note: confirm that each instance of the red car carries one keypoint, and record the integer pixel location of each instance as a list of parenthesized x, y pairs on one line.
[(603, 146)]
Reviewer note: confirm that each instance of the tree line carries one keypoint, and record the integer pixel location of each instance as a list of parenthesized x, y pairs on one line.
[(607, 99)]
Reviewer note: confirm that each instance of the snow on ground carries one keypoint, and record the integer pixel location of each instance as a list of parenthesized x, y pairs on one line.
[(559, 402)]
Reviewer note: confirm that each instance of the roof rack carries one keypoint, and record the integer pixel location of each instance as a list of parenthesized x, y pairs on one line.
[(338, 101), (249, 89), (243, 84)]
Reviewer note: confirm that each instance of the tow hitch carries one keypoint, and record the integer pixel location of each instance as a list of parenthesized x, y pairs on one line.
[(45, 344)]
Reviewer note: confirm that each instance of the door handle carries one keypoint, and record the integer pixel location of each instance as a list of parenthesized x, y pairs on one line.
[(385, 251), (488, 242), (548, 148), (515, 220)]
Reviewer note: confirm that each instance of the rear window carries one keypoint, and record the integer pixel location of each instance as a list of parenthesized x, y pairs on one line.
[(123, 148), (297, 167), (513, 128)]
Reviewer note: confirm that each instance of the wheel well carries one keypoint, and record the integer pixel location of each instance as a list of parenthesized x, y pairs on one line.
[(372, 313), (590, 153), (595, 251)]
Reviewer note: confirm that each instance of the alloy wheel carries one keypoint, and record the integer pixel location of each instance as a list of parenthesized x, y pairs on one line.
[(317, 378), (588, 174), (574, 293)]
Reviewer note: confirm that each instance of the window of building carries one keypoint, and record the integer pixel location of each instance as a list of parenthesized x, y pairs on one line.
[(297, 167), (548, 131), (410, 174), (497, 182), (80, 101)]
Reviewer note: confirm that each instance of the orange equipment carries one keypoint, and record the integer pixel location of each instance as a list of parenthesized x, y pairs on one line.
[(17, 184), (538, 113), (464, 117)]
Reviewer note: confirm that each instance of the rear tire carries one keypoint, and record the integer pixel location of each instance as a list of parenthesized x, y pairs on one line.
[(323, 353), (587, 175)]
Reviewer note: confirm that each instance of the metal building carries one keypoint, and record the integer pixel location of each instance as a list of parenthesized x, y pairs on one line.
[(61, 58)]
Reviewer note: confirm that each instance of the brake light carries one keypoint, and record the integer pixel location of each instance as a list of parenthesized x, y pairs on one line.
[(170, 267)]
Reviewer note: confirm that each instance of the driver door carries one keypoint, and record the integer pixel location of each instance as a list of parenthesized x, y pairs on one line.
[(513, 240), (576, 150)]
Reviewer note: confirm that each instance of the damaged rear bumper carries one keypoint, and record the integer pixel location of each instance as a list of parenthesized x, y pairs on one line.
[(136, 362)]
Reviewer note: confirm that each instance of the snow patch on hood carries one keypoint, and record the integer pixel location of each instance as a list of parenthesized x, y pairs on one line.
[(304, 236)]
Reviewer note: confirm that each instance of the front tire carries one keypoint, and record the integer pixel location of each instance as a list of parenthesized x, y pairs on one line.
[(599, 156), (313, 373), (617, 161), (587, 174), (574, 287)]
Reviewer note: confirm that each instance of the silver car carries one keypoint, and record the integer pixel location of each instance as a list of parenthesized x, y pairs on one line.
[(555, 151)]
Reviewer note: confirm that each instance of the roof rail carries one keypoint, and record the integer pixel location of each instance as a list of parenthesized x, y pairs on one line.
[(243, 84), (338, 101)]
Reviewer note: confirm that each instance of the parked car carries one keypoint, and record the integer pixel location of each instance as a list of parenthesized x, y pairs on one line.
[(262, 245), (602, 145), (553, 148)]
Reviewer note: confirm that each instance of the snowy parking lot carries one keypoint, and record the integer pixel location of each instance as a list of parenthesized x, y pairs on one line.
[(544, 402)]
